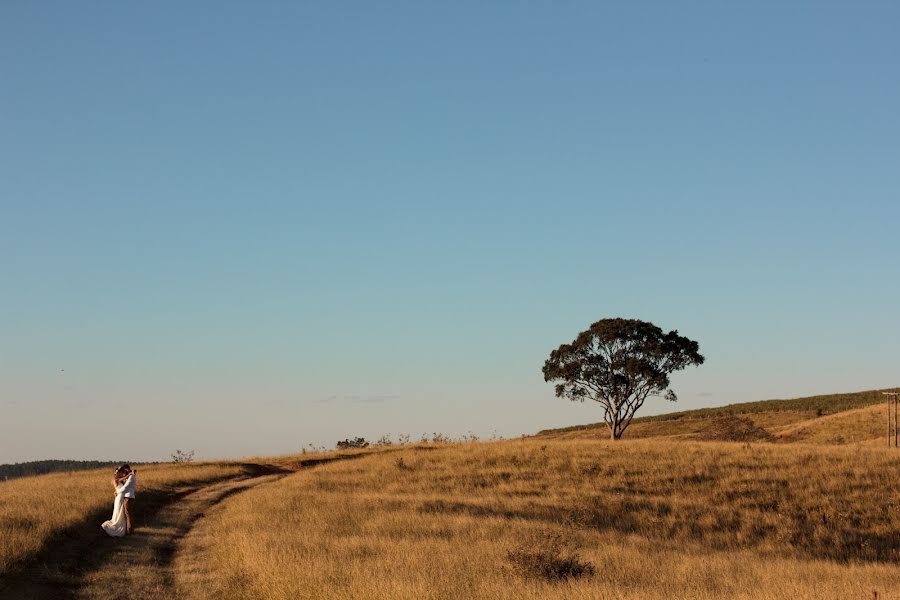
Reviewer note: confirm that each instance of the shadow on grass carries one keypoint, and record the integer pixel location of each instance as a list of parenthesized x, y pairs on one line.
[(165, 552), (798, 535), (55, 571), (306, 463)]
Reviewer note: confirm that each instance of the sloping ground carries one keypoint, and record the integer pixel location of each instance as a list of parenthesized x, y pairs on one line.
[(41, 516), (58, 569), (732, 428), (74, 559), (653, 519), (691, 429), (850, 427), (832, 419), (140, 565)]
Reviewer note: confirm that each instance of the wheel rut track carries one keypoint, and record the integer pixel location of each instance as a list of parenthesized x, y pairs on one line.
[(75, 566), (140, 566)]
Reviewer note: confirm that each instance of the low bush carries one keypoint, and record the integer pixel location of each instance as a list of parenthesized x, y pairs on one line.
[(550, 557)]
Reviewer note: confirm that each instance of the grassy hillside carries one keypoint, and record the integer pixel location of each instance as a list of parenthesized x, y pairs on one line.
[(36, 511), (772, 417), (511, 519), (806, 509)]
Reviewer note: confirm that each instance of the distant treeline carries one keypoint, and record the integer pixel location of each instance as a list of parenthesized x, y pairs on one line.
[(40, 467)]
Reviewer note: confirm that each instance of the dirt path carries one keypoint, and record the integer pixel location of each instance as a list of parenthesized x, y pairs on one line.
[(82, 566), (143, 565), (82, 563), (193, 574), (140, 566)]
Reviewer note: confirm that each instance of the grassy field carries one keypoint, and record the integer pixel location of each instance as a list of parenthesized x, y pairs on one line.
[(640, 519), (753, 502), (34, 511)]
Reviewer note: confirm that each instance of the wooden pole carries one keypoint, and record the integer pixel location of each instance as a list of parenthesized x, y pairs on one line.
[(893, 398)]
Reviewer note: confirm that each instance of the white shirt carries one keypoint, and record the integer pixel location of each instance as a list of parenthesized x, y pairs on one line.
[(127, 486)]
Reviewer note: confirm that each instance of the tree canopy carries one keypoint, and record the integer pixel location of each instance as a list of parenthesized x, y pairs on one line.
[(619, 363)]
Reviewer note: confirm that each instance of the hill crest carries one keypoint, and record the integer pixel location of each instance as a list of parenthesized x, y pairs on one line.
[(829, 419)]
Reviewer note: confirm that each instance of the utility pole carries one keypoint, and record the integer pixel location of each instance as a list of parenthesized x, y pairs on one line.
[(893, 399)]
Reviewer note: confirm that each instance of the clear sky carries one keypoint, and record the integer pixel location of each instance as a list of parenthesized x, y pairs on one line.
[(244, 227)]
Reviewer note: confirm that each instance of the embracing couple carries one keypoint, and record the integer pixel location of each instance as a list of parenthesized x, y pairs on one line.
[(124, 482)]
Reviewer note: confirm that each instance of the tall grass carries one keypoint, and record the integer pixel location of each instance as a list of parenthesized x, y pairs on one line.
[(33, 510), (643, 519)]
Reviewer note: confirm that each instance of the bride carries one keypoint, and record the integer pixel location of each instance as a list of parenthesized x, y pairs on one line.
[(118, 524)]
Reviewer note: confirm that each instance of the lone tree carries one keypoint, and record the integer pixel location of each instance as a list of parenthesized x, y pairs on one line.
[(619, 363)]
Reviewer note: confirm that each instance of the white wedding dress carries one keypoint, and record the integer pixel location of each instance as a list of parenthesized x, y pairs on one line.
[(117, 524)]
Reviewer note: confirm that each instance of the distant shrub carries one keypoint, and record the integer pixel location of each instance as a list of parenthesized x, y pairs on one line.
[(402, 464), (442, 438), (347, 444), (550, 557), (180, 456)]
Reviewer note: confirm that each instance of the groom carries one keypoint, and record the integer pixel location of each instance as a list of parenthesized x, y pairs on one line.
[(129, 477)]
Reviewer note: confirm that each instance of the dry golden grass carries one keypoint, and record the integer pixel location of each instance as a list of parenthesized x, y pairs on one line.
[(139, 566), (857, 426), (687, 428), (862, 425), (816, 514), (35, 509), (656, 519), (772, 415)]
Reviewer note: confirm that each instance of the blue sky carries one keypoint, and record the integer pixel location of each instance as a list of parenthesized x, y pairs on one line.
[(243, 228)]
